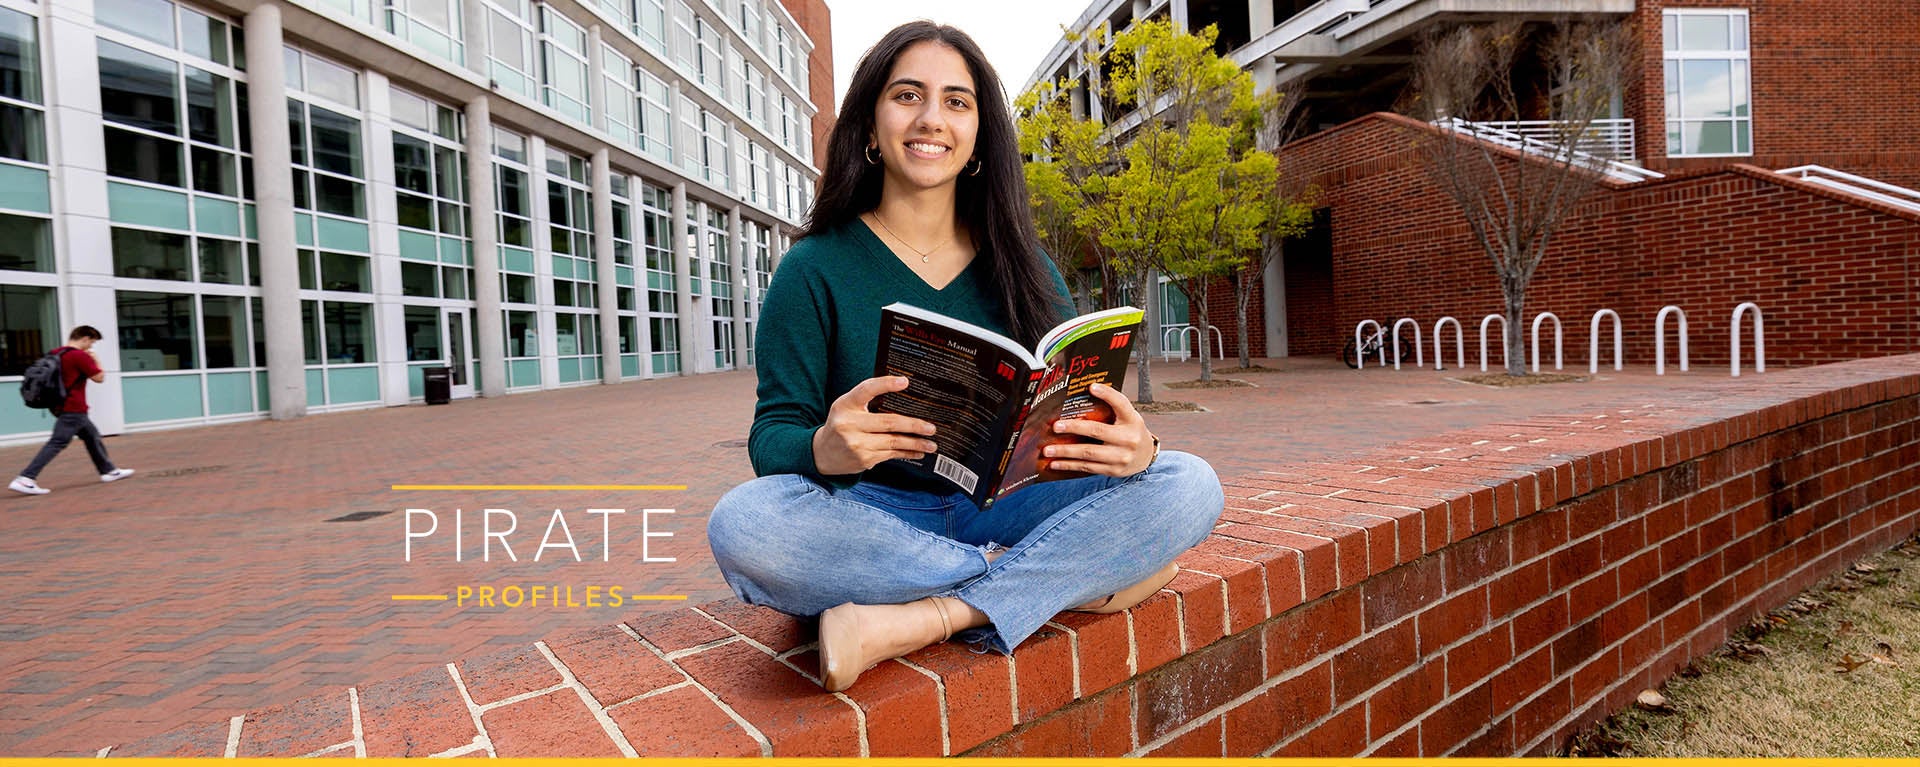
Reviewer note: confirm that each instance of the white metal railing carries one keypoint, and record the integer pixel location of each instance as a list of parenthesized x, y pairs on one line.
[(1759, 341), (1611, 139), (1419, 357), (1556, 340), (1880, 191), (1167, 349), (1660, 339), (1459, 344), (1593, 342), (1491, 132)]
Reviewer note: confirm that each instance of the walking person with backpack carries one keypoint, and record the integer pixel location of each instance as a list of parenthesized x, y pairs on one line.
[(58, 382)]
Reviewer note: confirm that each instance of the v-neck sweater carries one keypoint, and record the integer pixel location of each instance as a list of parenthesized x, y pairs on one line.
[(819, 329)]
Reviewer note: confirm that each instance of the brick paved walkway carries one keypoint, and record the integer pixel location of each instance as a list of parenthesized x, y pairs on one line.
[(215, 581)]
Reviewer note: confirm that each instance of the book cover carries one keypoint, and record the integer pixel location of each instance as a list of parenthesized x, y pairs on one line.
[(993, 402)]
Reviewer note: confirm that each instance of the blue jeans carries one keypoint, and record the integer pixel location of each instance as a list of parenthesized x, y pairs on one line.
[(66, 426), (797, 546)]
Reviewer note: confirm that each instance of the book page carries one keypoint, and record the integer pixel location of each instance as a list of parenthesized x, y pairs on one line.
[(967, 388)]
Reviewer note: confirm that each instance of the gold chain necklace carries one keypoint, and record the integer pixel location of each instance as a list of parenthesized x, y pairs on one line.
[(903, 241)]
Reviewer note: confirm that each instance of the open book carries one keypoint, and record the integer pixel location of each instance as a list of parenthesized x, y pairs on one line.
[(993, 403)]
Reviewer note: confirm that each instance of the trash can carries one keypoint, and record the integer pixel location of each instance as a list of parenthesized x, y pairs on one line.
[(439, 384)]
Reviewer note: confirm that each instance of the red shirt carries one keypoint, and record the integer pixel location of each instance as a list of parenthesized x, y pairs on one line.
[(76, 368)]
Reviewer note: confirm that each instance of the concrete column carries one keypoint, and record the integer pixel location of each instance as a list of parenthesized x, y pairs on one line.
[(273, 195), (1177, 13), (1259, 19), (547, 327), (473, 28), (489, 326), (683, 263), (389, 308), (743, 289), (605, 288), (1273, 289), (596, 82)]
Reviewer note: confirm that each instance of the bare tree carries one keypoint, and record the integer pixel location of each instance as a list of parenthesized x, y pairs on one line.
[(1290, 209), (1517, 192)]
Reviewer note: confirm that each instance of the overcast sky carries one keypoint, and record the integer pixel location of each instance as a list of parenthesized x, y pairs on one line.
[(1015, 34)]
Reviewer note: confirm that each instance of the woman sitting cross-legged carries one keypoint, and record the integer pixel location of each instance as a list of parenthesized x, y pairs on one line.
[(924, 201)]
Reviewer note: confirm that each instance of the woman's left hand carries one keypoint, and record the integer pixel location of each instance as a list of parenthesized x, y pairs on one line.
[(1124, 447)]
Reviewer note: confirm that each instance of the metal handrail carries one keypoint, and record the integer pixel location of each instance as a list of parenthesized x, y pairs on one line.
[(1593, 346), (1611, 139), (1862, 186), (1459, 344), (1488, 132), (1660, 339), (1556, 340), (1759, 341), (1505, 352)]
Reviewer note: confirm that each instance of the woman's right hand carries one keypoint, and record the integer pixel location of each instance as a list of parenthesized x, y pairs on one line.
[(855, 439)]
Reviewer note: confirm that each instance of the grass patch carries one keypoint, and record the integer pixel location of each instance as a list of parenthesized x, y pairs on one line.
[(1502, 380), (1254, 368), (1217, 383), (1168, 406), (1834, 673)]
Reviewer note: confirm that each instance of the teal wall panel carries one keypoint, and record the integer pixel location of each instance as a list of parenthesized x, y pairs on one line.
[(523, 373), (417, 379), (211, 216), (418, 246), (516, 260), (161, 398), (569, 370), (350, 385), (17, 418), (453, 251), (623, 276), (303, 229), (563, 267), (144, 206), (347, 236), (629, 365), (24, 189), (230, 393), (316, 387)]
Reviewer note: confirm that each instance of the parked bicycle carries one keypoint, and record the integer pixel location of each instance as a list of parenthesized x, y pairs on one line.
[(1370, 345)]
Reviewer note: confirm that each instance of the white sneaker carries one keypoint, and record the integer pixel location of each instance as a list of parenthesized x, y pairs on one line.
[(116, 474), (28, 486)]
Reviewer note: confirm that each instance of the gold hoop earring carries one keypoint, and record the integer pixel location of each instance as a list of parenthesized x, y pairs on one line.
[(973, 166), (872, 154)]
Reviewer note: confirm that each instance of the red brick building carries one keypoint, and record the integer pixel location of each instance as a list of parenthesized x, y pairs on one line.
[(1729, 91)]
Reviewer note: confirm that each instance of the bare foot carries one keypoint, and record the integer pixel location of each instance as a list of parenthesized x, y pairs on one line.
[(853, 638), (1132, 595)]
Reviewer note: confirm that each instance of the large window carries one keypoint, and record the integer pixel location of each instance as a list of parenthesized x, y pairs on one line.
[(563, 48), (510, 49), (713, 148), (177, 331), (720, 287), (708, 66), (621, 101), (656, 117), (29, 326), (1708, 86), (430, 24), (663, 326), (429, 166), (650, 22), (174, 119), (22, 121), (570, 243)]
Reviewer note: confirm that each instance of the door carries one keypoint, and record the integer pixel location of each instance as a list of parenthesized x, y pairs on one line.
[(458, 343)]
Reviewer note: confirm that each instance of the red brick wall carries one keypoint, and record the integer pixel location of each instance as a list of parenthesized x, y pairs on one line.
[(1833, 277), (1833, 85), (1481, 592)]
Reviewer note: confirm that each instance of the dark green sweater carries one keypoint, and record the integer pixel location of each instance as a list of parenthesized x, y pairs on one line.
[(819, 329)]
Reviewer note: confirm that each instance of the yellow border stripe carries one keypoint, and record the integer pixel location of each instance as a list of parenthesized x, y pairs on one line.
[(419, 597), (539, 487)]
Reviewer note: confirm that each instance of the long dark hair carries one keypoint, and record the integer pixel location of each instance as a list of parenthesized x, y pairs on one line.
[(992, 205)]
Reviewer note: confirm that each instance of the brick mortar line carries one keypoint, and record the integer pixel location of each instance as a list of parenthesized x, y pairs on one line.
[(940, 692), (1133, 648), (766, 746), (1073, 654), (1180, 619), (785, 659), (480, 738), (233, 736), (599, 712), (1013, 693), (700, 648), (1140, 749), (652, 693), (1226, 606), (359, 732), (1266, 598), (1706, 624), (522, 697)]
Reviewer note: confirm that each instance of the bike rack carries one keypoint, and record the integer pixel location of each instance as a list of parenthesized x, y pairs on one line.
[(1504, 351), (1359, 343), (1459, 344), (1660, 340), (1536, 340), (1593, 345), (1419, 357), (1759, 342)]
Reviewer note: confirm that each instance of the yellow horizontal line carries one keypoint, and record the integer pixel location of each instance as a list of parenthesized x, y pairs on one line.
[(658, 597), (419, 597), (539, 487)]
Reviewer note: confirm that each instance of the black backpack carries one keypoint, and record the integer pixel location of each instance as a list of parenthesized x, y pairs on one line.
[(44, 388)]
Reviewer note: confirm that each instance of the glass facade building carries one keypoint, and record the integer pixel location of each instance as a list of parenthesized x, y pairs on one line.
[(538, 195)]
